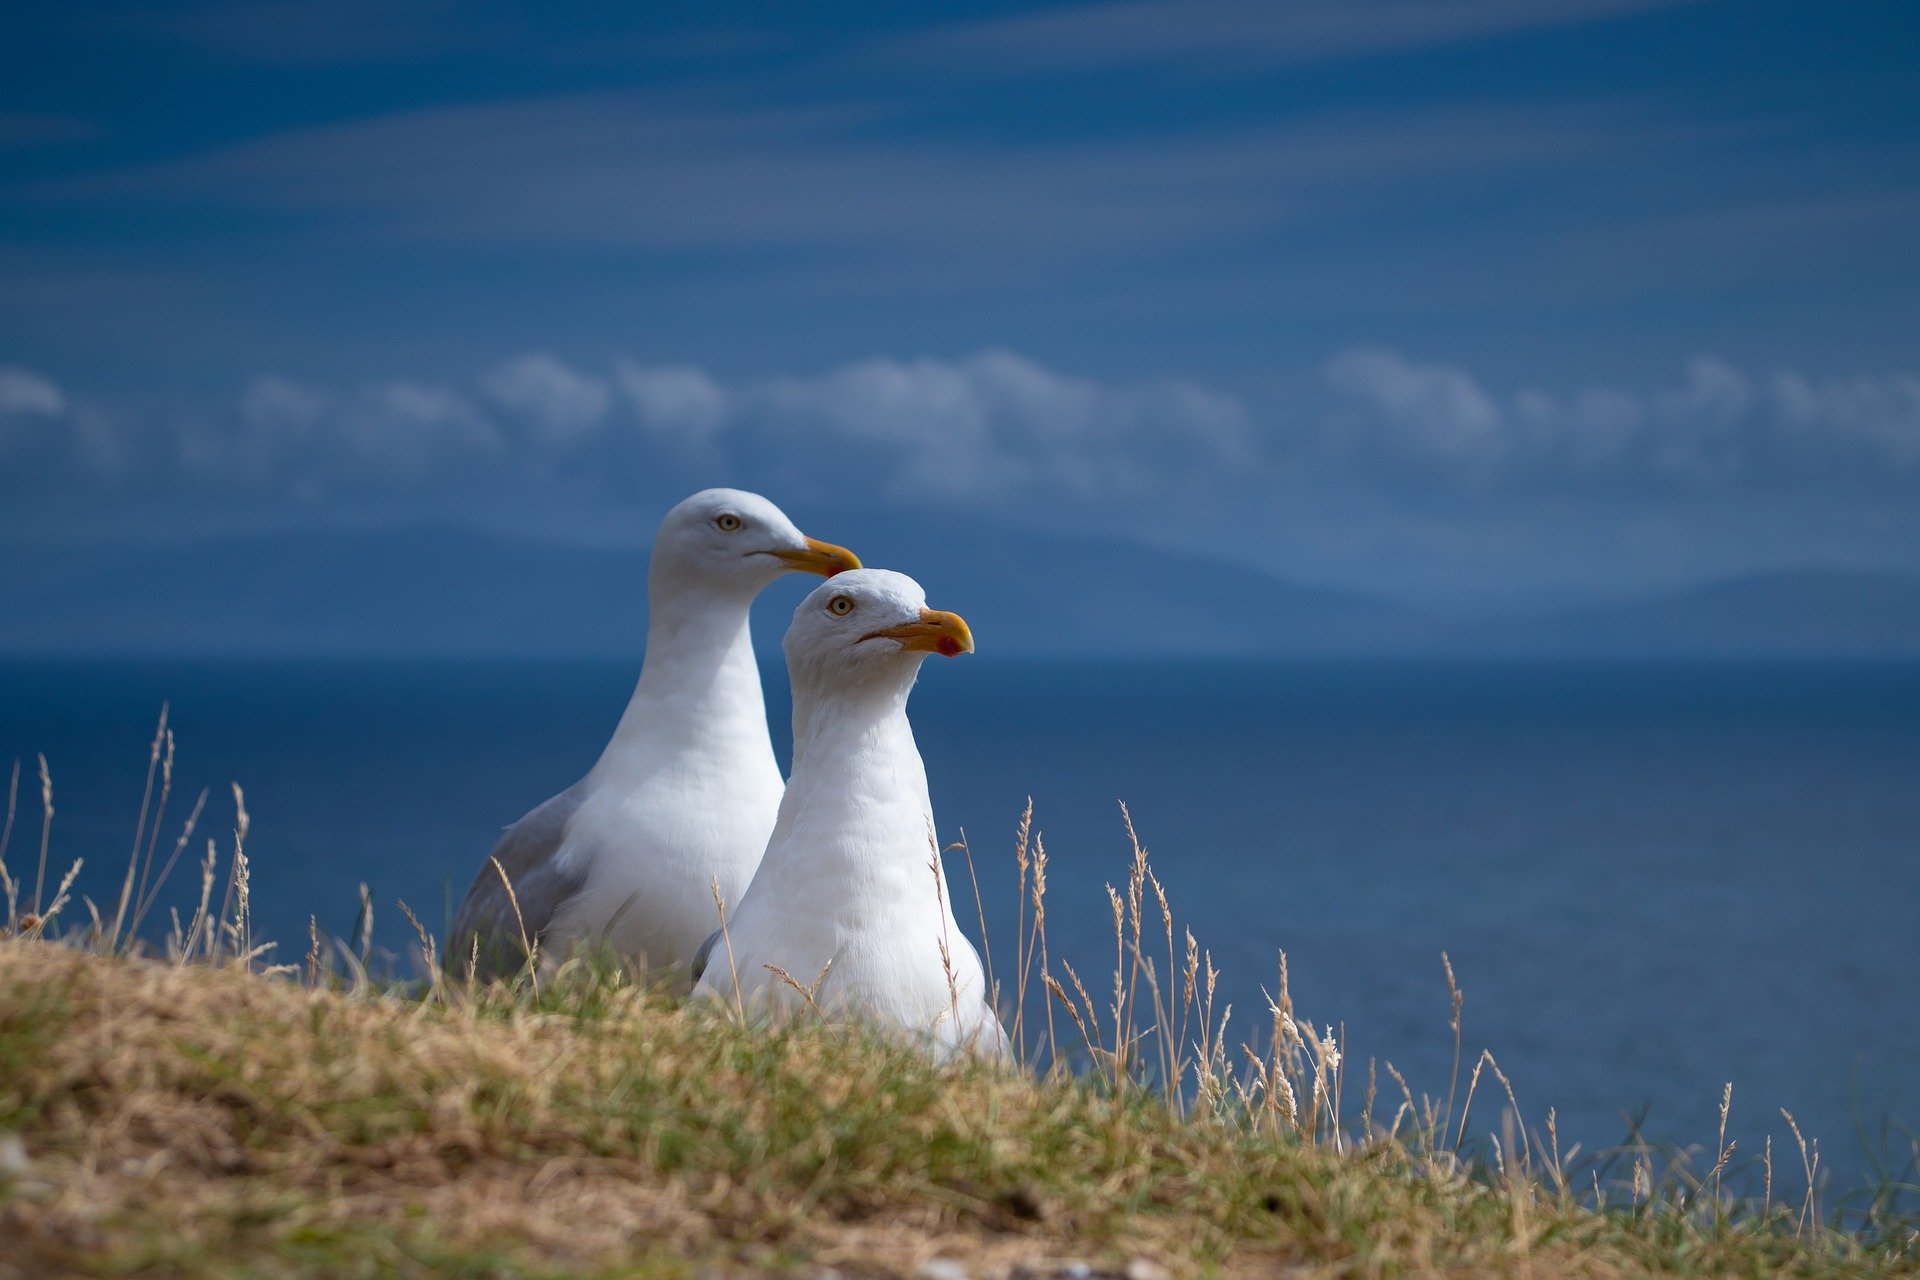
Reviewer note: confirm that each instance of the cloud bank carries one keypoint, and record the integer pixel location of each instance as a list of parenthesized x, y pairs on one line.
[(1388, 461), (988, 428), (1717, 426)]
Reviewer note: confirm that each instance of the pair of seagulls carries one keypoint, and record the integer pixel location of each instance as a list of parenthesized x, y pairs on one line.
[(831, 880)]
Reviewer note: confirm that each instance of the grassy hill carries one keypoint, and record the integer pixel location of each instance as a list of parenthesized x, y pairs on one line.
[(201, 1119)]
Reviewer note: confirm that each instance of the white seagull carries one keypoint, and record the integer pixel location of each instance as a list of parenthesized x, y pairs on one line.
[(686, 792), (850, 899)]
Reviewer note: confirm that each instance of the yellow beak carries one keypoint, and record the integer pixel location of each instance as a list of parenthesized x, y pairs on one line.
[(820, 557), (937, 631)]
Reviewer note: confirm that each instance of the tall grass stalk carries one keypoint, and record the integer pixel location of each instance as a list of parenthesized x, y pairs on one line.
[(8, 886)]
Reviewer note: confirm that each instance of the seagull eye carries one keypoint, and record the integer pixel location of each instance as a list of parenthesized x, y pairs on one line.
[(840, 606), (729, 523)]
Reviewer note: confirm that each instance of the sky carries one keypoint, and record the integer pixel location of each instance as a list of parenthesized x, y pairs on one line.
[(1444, 300)]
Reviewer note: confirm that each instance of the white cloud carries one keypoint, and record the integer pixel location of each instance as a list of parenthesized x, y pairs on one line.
[(999, 423), (563, 406), (1438, 409), (924, 417), (410, 426), (32, 409), (1881, 414), (286, 435), (26, 394), (1718, 424), (674, 402), (537, 443), (989, 429)]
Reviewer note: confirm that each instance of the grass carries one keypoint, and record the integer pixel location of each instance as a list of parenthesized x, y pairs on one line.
[(182, 1110)]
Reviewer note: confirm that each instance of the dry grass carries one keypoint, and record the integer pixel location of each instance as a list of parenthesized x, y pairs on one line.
[(199, 1120), (190, 1114)]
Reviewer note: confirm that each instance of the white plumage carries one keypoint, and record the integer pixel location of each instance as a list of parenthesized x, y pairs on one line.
[(686, 792), (850, 886)]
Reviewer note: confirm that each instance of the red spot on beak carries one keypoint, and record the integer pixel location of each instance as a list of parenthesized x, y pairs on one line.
[(948, 646)]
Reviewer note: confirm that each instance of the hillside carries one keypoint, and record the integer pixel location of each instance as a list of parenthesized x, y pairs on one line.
[(193, 1121), (1791, 613), (409, 592)]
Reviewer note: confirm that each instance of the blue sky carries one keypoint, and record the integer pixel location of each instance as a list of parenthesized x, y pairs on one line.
[(1445, 299)]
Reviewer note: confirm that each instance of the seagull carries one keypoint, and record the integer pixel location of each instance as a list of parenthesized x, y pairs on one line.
[(683, 797), (850, 902)]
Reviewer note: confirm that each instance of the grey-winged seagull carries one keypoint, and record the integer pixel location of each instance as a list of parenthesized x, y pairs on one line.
[(686, 791)]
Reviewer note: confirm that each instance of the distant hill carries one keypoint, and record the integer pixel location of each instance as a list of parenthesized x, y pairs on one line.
[(1047, 593), (354, 593), (460, 593), (441, 592), (1789, 613)]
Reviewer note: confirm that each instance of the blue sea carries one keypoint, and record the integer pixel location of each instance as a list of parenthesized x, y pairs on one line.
[(1651, 879)]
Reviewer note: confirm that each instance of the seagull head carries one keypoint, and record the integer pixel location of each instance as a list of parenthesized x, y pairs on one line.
[(870, 623), (732, 538)]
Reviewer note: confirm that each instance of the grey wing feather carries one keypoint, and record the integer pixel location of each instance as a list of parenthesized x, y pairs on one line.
[(700, 956), (487, 920)]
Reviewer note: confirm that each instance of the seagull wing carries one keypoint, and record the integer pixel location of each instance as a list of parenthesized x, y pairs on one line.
[(700, 957), (496, 925)]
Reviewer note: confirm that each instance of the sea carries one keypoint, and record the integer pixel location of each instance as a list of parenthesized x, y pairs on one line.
[(1652, 880)]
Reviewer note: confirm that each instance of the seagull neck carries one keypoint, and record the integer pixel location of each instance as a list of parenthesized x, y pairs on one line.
[(856, 826), (699, 680), (858, 782), (852, 722)]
